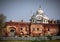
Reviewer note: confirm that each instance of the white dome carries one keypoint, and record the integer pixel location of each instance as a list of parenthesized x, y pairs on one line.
[(13, 20), (39, 17)]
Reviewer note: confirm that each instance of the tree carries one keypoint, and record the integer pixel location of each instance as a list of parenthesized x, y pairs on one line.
[(58, 22), (2, 20), (2, 24)]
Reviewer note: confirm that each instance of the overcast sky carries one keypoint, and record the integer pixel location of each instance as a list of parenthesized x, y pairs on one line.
[(24, 9)]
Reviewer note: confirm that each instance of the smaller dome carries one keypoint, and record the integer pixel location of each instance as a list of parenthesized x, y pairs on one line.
[(45, 17), (33, 16), (12, 21)]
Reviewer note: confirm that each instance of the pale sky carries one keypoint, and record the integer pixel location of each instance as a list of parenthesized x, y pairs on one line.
[(24, 9)]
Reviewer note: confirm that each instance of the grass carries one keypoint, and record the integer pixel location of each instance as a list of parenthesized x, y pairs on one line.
[(51, 41), (14, 41), (30, 41)]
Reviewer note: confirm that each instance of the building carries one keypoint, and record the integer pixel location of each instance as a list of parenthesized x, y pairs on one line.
[(39, 25)]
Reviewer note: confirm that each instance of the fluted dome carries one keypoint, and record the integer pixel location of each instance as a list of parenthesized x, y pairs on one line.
[(40, 11)]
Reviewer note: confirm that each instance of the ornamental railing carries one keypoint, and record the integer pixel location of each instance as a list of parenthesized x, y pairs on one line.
[(30, 38)]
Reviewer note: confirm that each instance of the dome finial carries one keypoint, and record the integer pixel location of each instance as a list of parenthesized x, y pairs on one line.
[(40, 6)]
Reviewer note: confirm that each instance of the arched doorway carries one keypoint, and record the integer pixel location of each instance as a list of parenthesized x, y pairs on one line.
[(12, 32)]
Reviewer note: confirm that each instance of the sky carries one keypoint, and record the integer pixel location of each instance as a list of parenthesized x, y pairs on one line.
[(24, 9)]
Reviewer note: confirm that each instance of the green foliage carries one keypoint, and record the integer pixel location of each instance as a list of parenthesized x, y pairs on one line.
[(2, 20), (49, 37), (29, 41), (2, 24)]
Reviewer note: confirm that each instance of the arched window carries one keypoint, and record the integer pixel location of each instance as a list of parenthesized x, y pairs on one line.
[(37, 29), (33, 29), (21, 29), (48, 29)]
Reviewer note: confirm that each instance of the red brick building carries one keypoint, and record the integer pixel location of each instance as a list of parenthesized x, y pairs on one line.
[(30, 29), (39, 25)]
